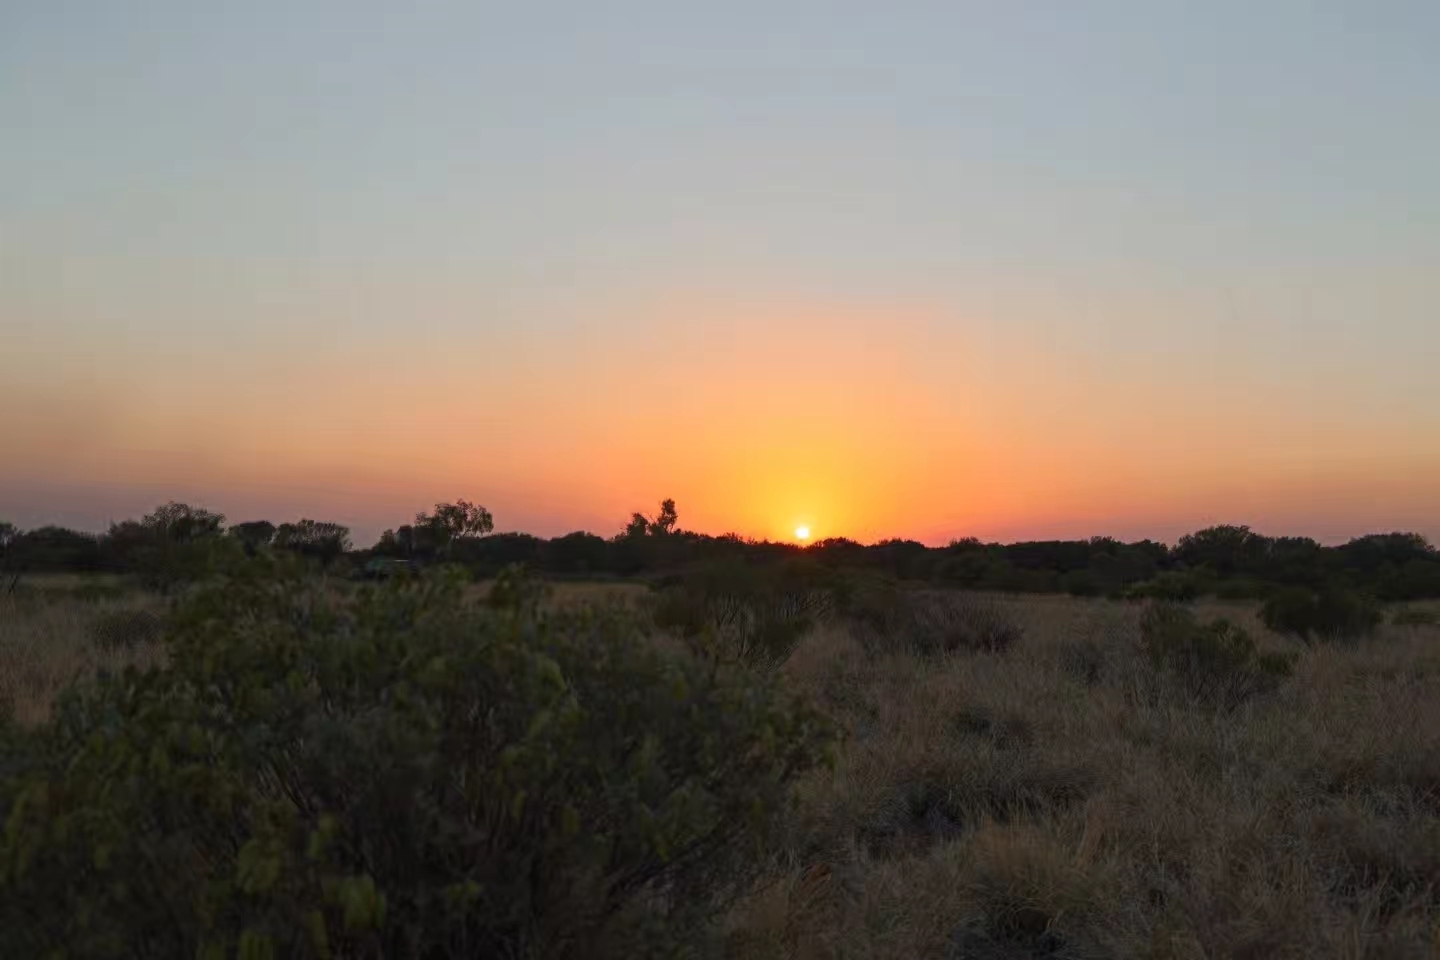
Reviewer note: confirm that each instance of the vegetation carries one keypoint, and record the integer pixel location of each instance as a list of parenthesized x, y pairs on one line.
[(732, 612), (393, 772), (230, 746), (178, 544), (1216, 663), (1327, 614)]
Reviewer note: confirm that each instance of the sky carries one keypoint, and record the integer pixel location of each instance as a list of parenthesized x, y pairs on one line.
[(926, 270)]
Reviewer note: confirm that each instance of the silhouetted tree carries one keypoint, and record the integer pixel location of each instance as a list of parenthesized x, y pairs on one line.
[(577, 552), (8, 578), (175, 543), (1373, 552), (453, 522), (1225, 549), (181, 523), (638, 527), (254, 534), (313, 538), (55, 549), (665, 520), (641, 526)]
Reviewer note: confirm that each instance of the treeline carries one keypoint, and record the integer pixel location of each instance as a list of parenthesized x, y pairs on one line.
[(181, 542)]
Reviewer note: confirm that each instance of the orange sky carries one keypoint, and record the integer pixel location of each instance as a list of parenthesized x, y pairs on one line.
[(756, 416)]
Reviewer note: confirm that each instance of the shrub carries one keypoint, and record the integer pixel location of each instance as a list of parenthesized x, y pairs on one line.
[(927, 623), (1171, 586), (738, 613), (515, 589), (1084, 660), (1328, 614), (1215, 662), (390, 771), (1240, 588), (125, 629), (1414, 617)]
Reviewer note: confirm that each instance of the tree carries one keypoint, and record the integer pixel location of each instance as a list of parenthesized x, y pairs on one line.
[(173, 544), (254, 534), (56, 549), (638, 526), (181, 523), (577, 552), (641, 526), (8, 535), (1225, 549), (314, 538), (451, 522), (664, 522)]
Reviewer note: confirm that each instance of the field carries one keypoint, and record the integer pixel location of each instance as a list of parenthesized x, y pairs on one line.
[(1052, 801), (1060, 797)]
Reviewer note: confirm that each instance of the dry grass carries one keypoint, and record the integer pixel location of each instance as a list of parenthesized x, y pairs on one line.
[(69, 582), (47, 641), (1054, 801)]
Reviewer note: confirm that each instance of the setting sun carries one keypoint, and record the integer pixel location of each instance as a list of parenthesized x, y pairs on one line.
[(802, 533)]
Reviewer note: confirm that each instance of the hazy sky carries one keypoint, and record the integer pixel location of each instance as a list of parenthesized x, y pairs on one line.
[(913, 269)]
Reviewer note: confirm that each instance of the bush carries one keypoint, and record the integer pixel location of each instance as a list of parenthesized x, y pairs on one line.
[(1215, 662), (515, 589), (125, 629), (739, 613), (1171, 586), (391, 771), (926, 623), (1415, 617), (1084, 660), (1330, 614)]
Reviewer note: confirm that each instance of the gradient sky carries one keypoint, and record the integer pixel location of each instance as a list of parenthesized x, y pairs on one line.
[(1001, 269)]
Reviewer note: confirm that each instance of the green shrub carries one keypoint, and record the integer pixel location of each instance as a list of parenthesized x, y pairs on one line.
[(125, 629), (390, 771), (1215, 662), (1329, 614)]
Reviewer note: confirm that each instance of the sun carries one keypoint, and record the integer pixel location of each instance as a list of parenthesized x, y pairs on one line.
[(802, 533)]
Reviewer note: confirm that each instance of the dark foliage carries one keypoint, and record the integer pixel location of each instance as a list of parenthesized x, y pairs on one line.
[(313, 538), (55, 550), (734, 612), (1226, 561), (254, 534), (390, 771), (1215, 662), (1330, 613), (885, 618), (175, 544)]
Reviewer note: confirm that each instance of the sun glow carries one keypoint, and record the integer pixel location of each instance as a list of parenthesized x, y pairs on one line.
[(802, 533)]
